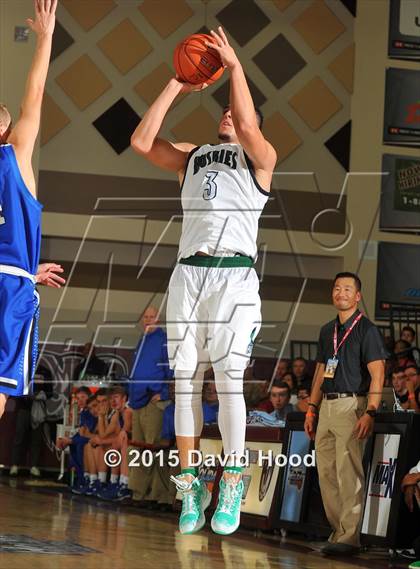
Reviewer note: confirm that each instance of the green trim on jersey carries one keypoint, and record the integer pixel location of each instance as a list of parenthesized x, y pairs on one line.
[(218, 262)]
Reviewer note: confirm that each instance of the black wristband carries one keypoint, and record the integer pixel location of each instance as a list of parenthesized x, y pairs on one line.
[(371, 412), (313, 405)]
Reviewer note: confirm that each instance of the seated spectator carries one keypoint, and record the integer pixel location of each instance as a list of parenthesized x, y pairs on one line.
[(300, 373), (119, 429), (280, 399), (282, 367), (90, 364), (94, 451), (408, 334), (412, 376), (265, 403), (411, 487), (88, 417), (255, 390), (210, 403), (399, 383), (291, 382), (403, 353), (303, 395)]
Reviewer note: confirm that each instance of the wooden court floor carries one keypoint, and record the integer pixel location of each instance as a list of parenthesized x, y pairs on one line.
[(83, 533)]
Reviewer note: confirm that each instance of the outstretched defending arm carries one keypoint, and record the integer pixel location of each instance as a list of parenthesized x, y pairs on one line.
[(25, 132), (242, 108), (145, 141)]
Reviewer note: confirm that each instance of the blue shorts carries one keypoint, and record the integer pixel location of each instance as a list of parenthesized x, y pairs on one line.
[(19, 316)]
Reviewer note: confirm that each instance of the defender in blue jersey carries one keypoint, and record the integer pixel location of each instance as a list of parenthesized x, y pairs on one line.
[(20, 223)]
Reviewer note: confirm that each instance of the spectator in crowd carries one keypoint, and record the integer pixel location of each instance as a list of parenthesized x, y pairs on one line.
[(303, 395), (289, 378), (27, 434), (94, 451), (409, 335), (300, 373), (265, 403), (280, 399), (282, 367), (413, 386), (411, 487), (115, 436), (88, 416), (399, 383), (210, 403), (90, 364), (147, 388), (403, 353)]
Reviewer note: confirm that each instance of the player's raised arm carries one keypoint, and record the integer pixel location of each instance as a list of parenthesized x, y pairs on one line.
[(242, 108), (145, 141), (26, 130)]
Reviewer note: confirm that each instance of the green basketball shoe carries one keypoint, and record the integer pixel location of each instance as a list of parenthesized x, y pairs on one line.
[(225, 519), (195, 499), (414, 565)]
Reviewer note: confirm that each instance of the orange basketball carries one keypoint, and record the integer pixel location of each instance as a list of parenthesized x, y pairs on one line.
[(195, 63)]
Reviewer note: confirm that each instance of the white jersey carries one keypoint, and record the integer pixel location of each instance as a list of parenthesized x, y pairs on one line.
[(221, 202)]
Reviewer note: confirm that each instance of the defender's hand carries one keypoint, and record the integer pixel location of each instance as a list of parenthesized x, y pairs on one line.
[(46, 275), (44, 22), (224, 50)]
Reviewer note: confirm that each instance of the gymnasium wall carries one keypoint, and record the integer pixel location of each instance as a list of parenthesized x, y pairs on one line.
[(298, 57), (113, 220)]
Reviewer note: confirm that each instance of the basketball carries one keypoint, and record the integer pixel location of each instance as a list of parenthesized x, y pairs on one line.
[(195, 63)]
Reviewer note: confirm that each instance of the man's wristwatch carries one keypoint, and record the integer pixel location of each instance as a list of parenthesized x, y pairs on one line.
[(371, 412)]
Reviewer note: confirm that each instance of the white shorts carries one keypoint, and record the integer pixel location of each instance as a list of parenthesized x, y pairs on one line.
[(213, 317)]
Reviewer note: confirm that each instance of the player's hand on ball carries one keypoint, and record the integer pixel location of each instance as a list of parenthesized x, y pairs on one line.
[(189, 87), (47, 275), (224, 50)]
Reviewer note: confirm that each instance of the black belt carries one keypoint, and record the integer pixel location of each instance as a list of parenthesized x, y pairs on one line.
[(342, 395)]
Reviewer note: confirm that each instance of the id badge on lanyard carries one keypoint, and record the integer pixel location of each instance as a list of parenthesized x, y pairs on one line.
[(332, 363)]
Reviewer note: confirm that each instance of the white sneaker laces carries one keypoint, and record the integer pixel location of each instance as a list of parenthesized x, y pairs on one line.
[(230, 494), (189, 493)]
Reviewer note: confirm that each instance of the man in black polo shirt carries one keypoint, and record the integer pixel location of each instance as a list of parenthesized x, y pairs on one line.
[(348, 381)]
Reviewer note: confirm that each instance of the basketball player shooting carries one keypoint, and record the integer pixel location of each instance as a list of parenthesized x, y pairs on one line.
[(213, 311), (20, 223)]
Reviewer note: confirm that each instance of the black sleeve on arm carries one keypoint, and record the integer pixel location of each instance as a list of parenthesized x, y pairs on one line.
[(373, 347)]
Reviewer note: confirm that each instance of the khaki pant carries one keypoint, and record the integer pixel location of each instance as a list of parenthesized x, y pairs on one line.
[(339, 461), (147, 426)]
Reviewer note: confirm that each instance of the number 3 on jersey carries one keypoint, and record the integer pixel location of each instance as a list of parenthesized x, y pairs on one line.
[(210, 186)]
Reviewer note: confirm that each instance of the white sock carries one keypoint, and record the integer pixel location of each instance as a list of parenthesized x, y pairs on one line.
[(102, 477), (86, 475), (124, 480), (93, 478), (114, 478)]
